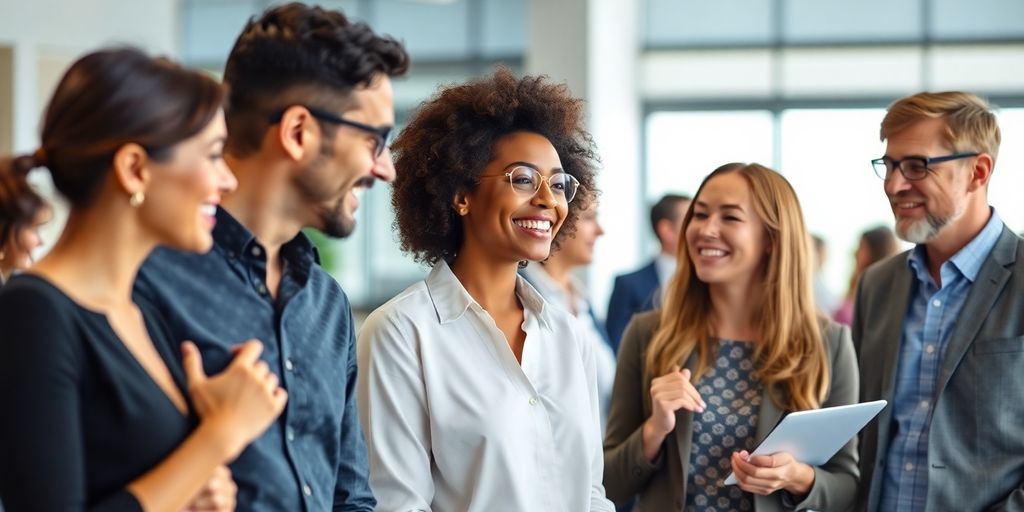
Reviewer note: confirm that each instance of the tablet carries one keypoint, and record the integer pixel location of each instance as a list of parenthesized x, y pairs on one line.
[(814, 436)]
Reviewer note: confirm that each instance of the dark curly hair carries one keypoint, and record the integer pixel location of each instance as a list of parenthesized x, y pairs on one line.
[(297, 54), (451, 138)]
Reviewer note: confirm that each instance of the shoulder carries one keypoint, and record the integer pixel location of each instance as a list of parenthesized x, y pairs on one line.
[(404, 311), (835, 335), (641, 329), (882, 273), (34, 295), (38, 321), (639, 273)]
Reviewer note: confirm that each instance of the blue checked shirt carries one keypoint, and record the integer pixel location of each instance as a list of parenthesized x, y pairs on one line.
[(931, 318), (313, 458)]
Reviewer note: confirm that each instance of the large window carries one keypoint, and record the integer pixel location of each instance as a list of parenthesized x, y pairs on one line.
[(824, 153)]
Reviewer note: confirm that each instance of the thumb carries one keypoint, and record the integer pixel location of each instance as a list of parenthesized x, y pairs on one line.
[(193, 363), (685, 373)]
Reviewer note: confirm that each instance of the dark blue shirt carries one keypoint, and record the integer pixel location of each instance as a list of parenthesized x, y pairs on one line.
[(313, 457)]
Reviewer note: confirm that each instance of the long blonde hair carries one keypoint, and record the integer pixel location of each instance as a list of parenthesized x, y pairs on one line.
[(789, 354)]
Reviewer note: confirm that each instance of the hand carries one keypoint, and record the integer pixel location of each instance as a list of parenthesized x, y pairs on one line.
[(239, 402), (218, 495), (669, 393), (765, 474)]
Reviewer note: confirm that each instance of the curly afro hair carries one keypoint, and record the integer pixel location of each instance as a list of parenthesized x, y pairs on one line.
[(451, 138)]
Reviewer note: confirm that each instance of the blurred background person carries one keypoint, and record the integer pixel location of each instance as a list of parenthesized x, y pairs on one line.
[(737, 344), (22, 213), (637, 291), (554, 280), (876, 244), (823, 296), (103, 410), (474, 393)]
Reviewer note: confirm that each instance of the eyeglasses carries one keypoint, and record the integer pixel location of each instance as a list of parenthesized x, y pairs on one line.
[(526, 180), (912, 168), (381, 135)]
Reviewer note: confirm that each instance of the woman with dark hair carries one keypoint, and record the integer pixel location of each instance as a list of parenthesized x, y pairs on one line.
[(876, 244), (737, 344), (22, 212), (474, 394), (98, 413)]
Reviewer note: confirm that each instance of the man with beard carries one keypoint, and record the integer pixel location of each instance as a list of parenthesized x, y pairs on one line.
[(309, 111), (939, 330)]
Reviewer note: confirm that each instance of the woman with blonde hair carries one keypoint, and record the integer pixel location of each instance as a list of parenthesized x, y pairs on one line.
[(737, 344)]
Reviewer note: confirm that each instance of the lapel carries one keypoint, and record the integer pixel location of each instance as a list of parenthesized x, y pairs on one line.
[(769, 415), (982, 296), (684, 425), (896, 300)]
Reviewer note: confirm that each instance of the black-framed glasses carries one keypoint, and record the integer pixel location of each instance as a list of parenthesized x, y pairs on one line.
[(527, 180), (381, 135), (912, 168)]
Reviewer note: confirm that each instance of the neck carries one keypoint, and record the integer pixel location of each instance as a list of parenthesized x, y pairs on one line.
[(560, 272), (98, 255), (492, 284), (263, 201), (733, 308), (954, 237)]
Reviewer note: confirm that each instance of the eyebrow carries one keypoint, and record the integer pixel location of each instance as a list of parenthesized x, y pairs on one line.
[(722, 207), (531, 166)]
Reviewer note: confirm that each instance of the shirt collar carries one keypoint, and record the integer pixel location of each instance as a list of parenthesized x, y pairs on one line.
[(969, 259), (451, 300), (234, 238)]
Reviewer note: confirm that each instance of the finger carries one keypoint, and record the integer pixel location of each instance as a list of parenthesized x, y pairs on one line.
[(683, 403), (685, 374), (192, 360), (249, 353), (765, 461), (260, 370), (692, 391), (271, 381)]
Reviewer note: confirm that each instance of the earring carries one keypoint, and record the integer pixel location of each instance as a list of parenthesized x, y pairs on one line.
[(462, 212), (137, 199), (2, 255)]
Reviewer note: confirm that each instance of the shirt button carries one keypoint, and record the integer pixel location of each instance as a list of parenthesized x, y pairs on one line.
[(929, 349), (307, 490), (533, 400), (288, 365), (909, 467), (936, 303), (924, 404), (256, 252), (290, 433)]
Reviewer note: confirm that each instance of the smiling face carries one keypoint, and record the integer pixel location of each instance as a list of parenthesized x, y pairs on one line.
[(182, 198), (509, 224), (925, 208), (347, 164), (726, 238)]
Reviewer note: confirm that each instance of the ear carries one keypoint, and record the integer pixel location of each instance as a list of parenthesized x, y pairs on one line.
[(981, 173), (665, 229), (297, 133), (461, 203), (131, 168)]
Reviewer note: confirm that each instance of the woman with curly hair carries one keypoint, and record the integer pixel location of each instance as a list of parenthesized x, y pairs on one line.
[(22, 213), (475, 394), (737, 344)]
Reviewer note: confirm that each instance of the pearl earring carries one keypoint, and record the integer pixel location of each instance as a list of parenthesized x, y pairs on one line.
[(137, 199)]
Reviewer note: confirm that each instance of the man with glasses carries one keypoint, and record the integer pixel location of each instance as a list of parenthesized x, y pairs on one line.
[(939, 330), (309, 112)]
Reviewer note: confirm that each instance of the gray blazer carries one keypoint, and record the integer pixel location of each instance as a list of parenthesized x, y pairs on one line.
[(976, 438), (661, 485)]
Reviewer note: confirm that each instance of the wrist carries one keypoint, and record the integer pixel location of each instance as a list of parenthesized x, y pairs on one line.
[(219, 438), (803, 480), (652, 438)]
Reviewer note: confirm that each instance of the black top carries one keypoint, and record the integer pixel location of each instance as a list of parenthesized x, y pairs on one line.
[(313, 457), (81, 417)]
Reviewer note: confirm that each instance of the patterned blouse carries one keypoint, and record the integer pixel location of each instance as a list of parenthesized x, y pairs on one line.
[(727, 425)]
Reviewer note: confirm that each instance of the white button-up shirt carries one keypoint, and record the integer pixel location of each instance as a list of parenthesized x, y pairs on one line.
[(454, 423)]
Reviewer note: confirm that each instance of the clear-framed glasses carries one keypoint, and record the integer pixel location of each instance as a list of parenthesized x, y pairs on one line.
[(912, 168), (526, 181), (381, 135)]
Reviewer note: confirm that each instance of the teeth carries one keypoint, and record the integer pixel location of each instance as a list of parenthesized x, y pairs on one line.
[(536, 225), (209, 210), (908, 205), (712, 252)]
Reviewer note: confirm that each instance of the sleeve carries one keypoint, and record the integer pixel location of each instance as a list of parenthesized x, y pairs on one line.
[(394, 416), (352, 491), (41, 441), (626, 470), (835, 482), (619, 312), (598, 501)]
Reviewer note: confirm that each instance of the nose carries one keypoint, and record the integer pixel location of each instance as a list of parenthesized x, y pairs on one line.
[(600, 230), (708, 228), (544, 197), (384, 166), (895, 182), (228, 182)]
